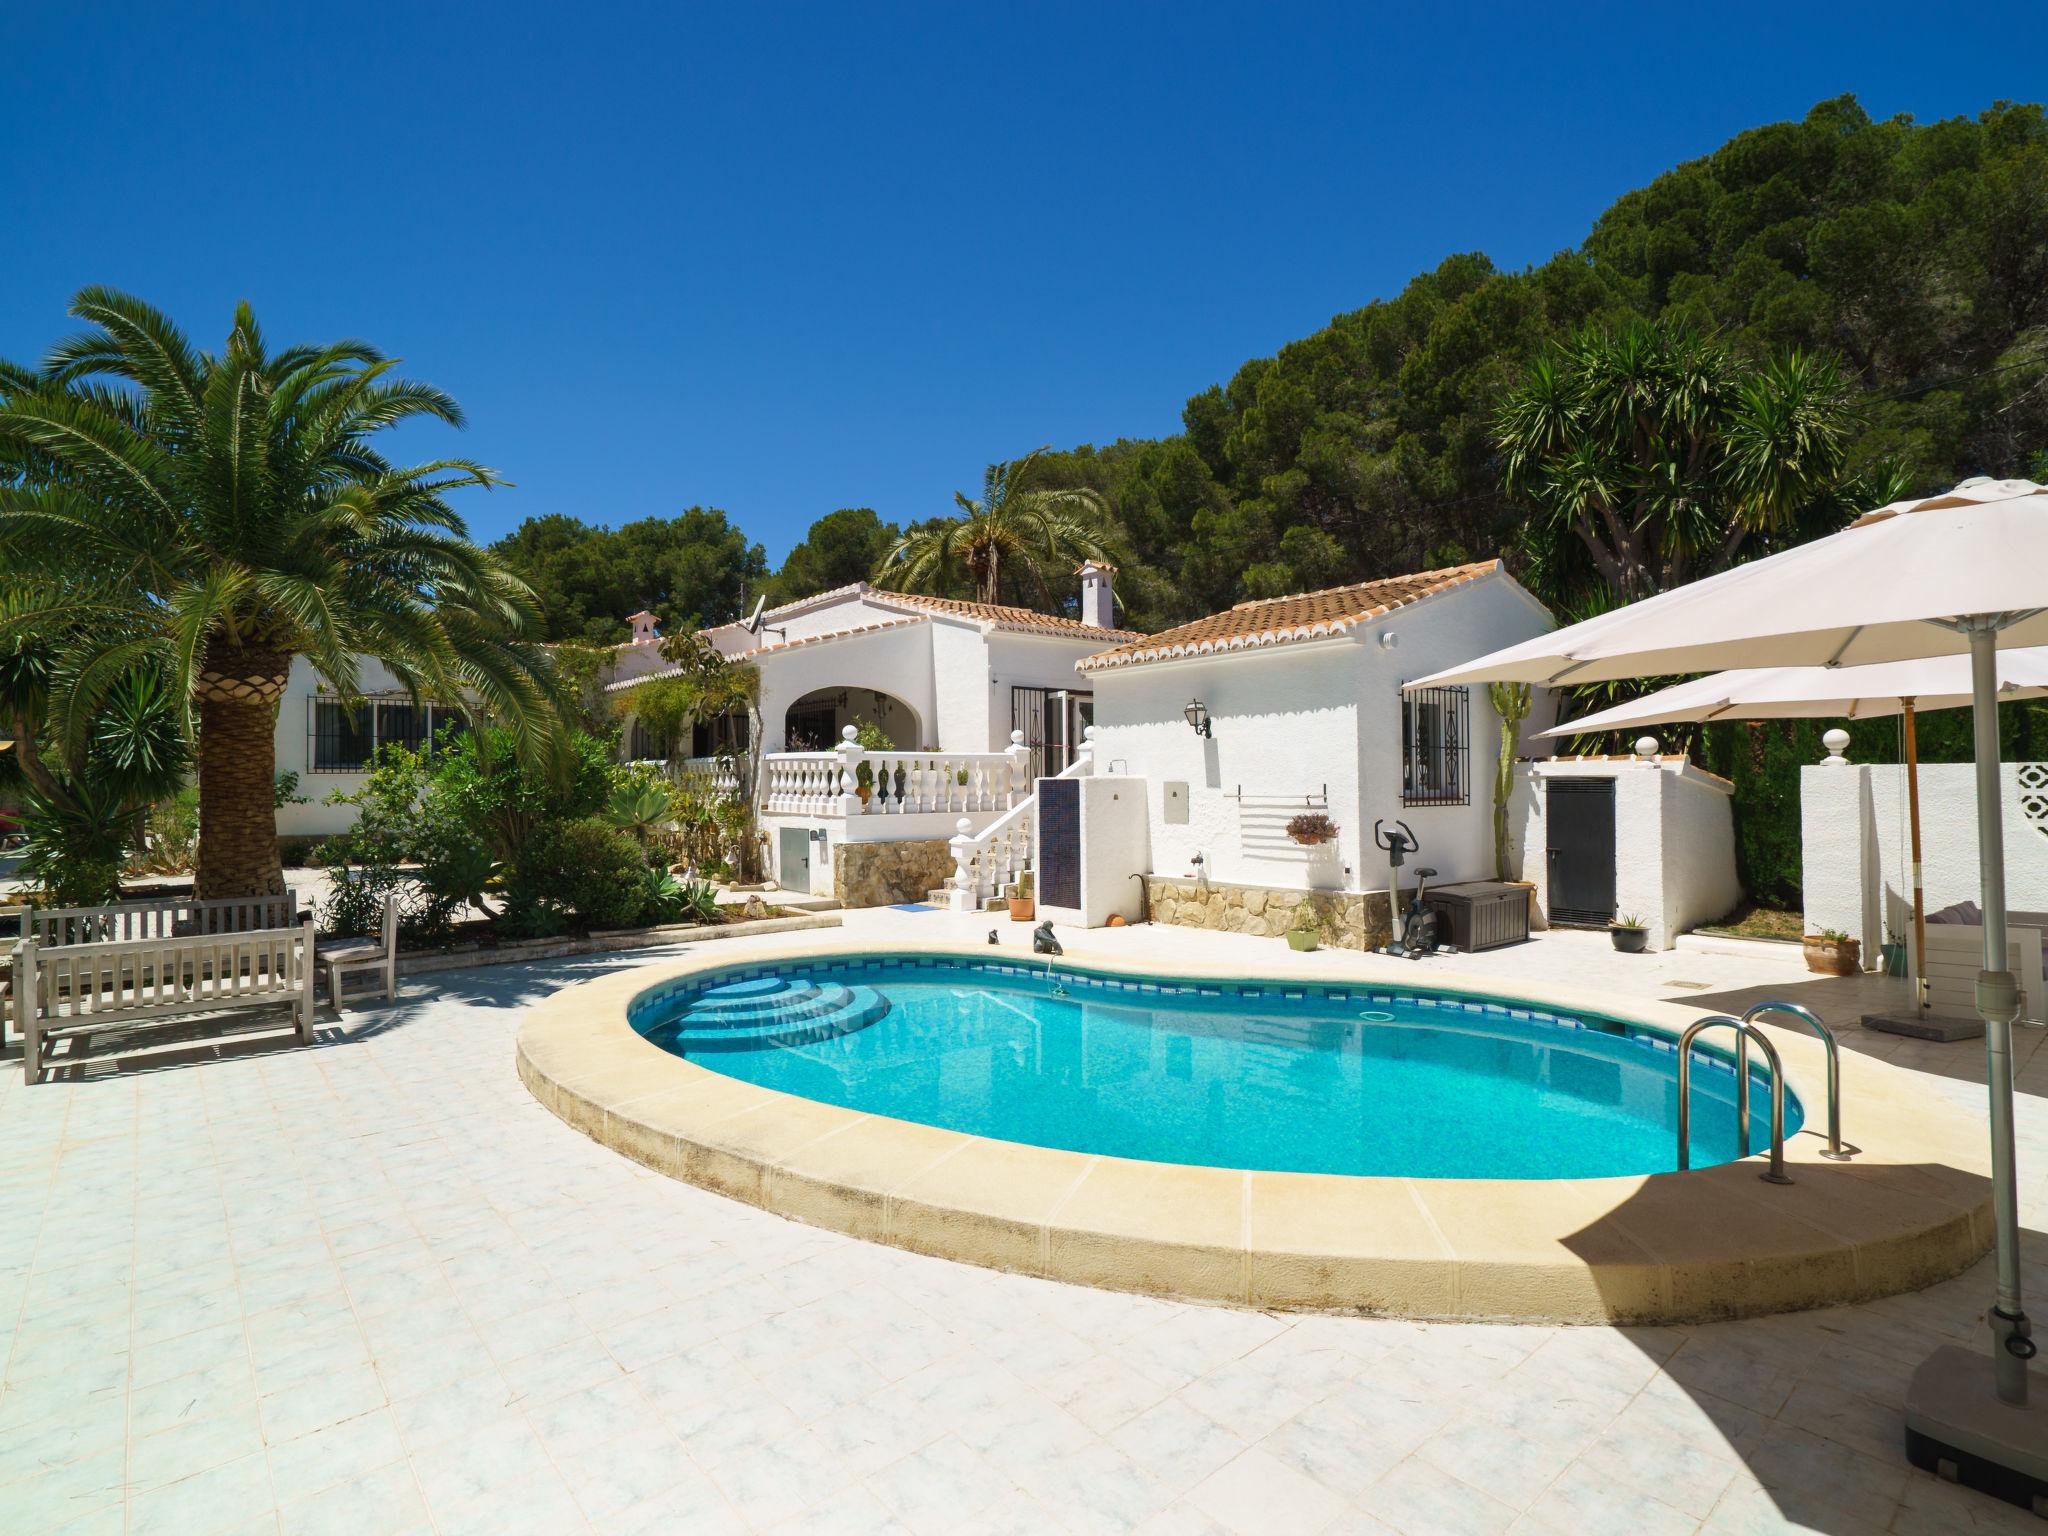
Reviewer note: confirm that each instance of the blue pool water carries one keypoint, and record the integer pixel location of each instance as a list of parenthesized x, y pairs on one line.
[(1321, 1078)]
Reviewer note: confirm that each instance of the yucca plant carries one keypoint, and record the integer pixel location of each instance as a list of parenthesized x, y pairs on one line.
[(218, 515)]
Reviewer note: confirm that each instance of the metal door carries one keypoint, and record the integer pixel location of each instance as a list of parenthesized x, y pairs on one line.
[(1579, 816), (1052, 720), (796, 860)]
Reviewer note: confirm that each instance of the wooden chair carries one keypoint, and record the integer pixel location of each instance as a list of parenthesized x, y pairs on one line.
[(345, 956)]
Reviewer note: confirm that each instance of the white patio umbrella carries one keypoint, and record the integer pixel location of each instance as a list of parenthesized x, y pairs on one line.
[(1876, 691), (1966, 570)]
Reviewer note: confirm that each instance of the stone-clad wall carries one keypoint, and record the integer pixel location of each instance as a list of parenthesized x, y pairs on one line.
[(882, 874), (1349, 919)]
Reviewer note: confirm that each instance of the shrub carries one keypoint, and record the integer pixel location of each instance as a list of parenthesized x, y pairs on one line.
[(355, 905), (74, 849), (588, 867), (170, 836), (669, 900), (528, 915)]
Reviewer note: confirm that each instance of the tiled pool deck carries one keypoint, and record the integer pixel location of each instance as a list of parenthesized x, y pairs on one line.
[(375, 1287)]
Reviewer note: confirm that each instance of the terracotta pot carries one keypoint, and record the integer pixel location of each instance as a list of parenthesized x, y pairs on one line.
[(1022, 908), (1826, 958)]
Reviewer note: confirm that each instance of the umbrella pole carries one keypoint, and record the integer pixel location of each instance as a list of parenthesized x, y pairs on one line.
[(1998, 1001), (1919, 896)]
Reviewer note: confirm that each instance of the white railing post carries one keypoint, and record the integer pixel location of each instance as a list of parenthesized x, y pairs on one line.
[(1020, 768), (1087, 747), (847, 799), (962, 899)]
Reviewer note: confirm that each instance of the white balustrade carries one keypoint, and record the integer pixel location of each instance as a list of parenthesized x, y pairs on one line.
[(894, 781), (722, 774), (802, 784)]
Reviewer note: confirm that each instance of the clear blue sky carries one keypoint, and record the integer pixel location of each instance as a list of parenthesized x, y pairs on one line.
[(782, 259)]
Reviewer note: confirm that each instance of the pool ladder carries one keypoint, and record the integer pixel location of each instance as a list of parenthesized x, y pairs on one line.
[(1745, 1031)]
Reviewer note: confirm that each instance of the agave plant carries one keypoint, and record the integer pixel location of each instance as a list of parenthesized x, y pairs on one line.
[(640, 809)]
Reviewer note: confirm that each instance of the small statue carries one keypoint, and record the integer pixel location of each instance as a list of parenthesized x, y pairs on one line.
[(992, 937), (1043, 942)]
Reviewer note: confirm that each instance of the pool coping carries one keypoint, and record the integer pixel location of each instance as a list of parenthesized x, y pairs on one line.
[(1911, 1209)]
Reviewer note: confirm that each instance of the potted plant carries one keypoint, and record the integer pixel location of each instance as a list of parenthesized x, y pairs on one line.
[(1307, 930), (1894, 952), (1311, 828), (1832, 952), (1023, 904), (1631, 935), (872, 738)]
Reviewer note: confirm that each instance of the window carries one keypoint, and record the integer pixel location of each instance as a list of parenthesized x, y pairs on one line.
[(341, 741), (1436, 747)]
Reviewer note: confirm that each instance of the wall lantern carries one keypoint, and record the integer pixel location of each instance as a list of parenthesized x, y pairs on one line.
[(1198, 716)]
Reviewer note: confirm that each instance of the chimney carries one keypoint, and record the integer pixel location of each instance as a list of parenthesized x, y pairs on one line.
[(1098, 602), (644, 628)]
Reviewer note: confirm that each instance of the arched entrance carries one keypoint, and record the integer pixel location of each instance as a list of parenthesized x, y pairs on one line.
[(815, 721)]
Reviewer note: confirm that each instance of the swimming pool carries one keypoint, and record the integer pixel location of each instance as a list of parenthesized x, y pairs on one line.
[(1308, 1078)]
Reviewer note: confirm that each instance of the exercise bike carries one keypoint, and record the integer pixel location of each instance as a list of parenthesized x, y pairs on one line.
[(1414, 932)]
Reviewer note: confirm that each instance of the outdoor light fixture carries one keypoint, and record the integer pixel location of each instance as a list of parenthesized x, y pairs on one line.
[(1198, 716)]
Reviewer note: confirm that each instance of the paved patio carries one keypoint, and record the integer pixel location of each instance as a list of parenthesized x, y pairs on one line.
[(373, 1287)]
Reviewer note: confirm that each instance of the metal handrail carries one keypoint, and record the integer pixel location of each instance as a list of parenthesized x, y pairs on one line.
[(1744, 1033), (1836, 1151)]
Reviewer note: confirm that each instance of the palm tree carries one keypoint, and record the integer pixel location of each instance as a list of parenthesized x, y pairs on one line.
[(220, 515), (1013, 525)]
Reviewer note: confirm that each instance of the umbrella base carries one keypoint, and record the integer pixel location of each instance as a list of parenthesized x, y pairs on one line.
[(1926, 1026), (1958, 1429)]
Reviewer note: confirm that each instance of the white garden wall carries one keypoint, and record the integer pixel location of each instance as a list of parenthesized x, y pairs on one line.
[(1855, 849)]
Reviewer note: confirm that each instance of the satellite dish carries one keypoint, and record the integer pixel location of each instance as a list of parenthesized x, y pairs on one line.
[(754, 618)]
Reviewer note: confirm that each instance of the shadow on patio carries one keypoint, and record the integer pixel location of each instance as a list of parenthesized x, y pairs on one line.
[(1805, 1406)]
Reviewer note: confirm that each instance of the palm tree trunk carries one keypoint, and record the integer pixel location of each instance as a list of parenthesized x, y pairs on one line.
[(238, 694)]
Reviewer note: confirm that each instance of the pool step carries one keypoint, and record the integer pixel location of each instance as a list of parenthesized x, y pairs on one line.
[(750, 1015)]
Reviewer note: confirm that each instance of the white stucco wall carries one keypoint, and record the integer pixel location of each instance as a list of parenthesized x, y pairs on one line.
[(1674, 839), (960, 684), (1855, 845), (1284, 726), (1113, 847), (293, 744), (898, 661)]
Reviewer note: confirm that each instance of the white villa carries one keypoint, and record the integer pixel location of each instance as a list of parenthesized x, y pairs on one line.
[(977, 700)]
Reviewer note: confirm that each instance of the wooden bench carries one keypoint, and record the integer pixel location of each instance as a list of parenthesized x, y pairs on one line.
[(66, 991), (169, 917)]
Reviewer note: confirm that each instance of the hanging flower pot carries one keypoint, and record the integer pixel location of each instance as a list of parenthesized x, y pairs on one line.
[(1311, 828)]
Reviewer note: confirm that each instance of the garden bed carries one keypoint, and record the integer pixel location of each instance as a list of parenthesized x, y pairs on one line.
[(461, 956)]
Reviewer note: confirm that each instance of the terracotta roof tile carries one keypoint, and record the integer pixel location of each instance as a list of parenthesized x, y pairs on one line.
[(1002, 615), (1278, 620)]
